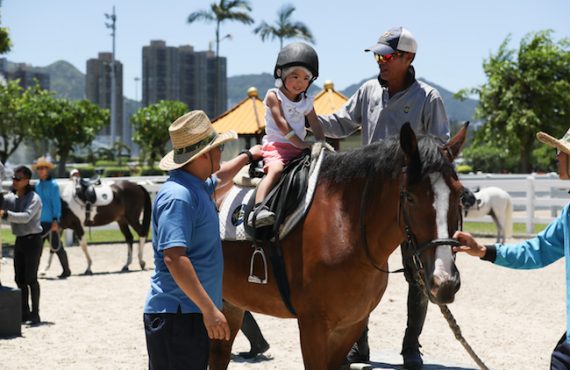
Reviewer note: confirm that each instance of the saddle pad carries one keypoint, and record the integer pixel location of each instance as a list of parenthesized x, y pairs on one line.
[(233, 207), (103, 192), (104, 195)]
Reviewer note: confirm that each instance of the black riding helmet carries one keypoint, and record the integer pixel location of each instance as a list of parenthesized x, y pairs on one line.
[(297, 54)]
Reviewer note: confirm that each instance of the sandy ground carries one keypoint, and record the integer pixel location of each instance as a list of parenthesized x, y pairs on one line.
[(511, 318)]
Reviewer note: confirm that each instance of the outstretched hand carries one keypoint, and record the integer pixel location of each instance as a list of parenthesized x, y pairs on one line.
[(468, 244)]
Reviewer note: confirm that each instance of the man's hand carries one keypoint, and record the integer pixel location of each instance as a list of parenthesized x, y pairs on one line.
[(216, 324), (468, 244)]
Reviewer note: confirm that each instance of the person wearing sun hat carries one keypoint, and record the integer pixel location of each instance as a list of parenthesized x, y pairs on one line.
[(48, 190), (544, 249), (379, 108), (186, 285)]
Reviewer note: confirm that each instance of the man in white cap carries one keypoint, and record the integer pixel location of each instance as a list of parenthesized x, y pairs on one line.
[(547, 247), (379, 108), (182, 311)]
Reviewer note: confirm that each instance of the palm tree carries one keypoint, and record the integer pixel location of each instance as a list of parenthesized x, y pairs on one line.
[(225, 10), (284, 28)]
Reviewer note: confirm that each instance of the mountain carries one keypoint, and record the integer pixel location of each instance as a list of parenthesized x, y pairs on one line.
[(238, 85), (457, 110), (65, 80)]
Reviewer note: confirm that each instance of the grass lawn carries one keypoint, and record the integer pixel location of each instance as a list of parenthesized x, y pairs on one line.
[(110, 236), (93, 237)]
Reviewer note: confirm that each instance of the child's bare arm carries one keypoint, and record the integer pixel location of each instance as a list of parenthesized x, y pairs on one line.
[(281, 122), (316, 126)]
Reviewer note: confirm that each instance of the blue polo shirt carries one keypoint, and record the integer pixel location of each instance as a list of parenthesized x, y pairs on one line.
[(184, 215)]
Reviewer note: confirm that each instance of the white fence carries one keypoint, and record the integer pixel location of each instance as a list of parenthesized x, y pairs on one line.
[(537, 199)]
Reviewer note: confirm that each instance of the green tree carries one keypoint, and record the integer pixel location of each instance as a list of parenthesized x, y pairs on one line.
[(225, 10), (67, 124), (526, 92), (284, 27), (17, 113), (151, 128), (5, 43)]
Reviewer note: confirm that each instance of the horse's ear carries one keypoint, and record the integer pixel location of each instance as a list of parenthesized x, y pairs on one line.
[(454, 145), (408, 141)]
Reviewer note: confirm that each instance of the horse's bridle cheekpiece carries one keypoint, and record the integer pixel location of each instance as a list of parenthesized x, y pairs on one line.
[(191, 136)]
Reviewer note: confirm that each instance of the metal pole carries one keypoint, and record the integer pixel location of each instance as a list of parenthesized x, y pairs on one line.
[(113, 18)]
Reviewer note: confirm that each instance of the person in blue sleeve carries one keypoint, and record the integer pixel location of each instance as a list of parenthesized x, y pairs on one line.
[(48, 190), (22, 209), (547, 247), (182, 311)]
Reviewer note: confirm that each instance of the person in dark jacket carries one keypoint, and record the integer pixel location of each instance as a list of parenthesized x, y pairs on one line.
[(48, 190), (22, 208)]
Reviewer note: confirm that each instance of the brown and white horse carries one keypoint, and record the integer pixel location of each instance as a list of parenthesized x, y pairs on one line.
[(367, 202)]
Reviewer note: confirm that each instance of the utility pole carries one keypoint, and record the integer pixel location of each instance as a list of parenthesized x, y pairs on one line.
[(112, 26)]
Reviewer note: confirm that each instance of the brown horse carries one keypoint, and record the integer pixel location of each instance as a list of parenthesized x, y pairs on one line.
[(129, 201), (367, 202)]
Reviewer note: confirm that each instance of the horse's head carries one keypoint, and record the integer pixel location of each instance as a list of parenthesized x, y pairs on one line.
[(430, 207)]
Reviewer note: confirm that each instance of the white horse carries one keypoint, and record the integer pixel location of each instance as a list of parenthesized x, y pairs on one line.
[(491, 201)]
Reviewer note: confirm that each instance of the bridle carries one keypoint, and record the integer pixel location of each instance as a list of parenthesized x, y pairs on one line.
[(410, 248)]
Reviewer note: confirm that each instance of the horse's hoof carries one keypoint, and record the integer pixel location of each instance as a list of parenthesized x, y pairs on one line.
[(125, 269), (88, 272), (143, 264)]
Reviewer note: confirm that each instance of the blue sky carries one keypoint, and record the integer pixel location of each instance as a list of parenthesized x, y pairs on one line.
[(454, 37)]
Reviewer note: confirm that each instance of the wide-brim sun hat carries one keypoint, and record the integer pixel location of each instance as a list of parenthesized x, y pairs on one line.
[(42, 162), (562, 145), (191, 136)]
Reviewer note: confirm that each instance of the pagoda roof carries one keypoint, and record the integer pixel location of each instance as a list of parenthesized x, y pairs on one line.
[(247, 116)]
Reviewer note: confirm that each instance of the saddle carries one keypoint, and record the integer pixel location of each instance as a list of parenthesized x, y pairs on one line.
[(283, 199), (92, 193)]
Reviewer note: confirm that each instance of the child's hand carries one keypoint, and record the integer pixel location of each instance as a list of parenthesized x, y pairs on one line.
[(256, 152)]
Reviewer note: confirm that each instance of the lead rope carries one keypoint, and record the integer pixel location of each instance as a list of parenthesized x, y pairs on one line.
[(453, 325)]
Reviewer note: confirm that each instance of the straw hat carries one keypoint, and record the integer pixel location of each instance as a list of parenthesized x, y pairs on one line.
[(42, 162), (192, 135), (563, 144)]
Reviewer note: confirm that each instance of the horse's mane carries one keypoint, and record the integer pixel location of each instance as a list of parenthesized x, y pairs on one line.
[(382, 158)]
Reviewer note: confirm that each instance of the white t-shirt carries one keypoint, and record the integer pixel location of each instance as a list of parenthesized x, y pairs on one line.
[(294, 113)]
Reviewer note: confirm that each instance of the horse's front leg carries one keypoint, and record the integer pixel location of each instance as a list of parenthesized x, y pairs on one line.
[(83, 244), (325, 345), (221, 350)]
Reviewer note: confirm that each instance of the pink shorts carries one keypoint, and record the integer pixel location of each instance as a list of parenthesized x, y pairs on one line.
[(282, 152)]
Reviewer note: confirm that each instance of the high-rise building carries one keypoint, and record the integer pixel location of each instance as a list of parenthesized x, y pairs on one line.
[(98, 90), (180, 73), (25, 73)]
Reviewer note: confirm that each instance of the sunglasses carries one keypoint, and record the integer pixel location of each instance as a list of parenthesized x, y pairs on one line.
[(17, 178), (41, 168), (386, 57)]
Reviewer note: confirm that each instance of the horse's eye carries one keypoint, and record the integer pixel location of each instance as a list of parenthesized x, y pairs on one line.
[(409, 198)]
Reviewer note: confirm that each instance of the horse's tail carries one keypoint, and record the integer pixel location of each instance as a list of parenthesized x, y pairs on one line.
[(509, 218), (146, 212)]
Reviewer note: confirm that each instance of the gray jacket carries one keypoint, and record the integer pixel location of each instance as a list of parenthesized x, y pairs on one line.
[(381, 116), (24, 214)]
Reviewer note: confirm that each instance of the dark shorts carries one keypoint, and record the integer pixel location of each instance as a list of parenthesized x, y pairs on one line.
[(560, 359), (176, 341)]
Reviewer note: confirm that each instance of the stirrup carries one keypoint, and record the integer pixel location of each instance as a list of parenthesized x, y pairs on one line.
[(252, 278)]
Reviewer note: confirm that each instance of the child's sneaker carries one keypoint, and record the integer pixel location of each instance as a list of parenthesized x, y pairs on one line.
[(264, 217)]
